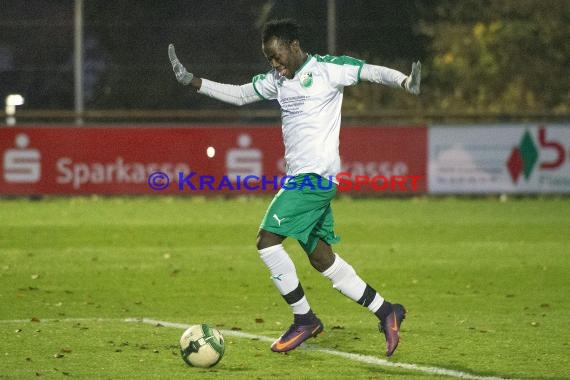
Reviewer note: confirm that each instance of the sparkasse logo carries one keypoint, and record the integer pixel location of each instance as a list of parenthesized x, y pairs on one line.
[(22, 164)]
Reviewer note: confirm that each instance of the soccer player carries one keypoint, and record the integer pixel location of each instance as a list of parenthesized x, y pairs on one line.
[(309, 89)]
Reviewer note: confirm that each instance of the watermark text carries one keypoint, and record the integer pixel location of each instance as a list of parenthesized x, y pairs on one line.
[(193, 181)]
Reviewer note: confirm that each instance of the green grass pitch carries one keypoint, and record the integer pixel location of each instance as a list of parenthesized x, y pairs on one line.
[(486, 284)]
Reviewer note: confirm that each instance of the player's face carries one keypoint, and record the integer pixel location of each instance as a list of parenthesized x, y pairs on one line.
[(285, 57)]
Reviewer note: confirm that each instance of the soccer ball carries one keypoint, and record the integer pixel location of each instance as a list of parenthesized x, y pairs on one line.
[(202, 346)]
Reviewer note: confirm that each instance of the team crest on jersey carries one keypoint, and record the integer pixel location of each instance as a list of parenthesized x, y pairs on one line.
[(307, 80)]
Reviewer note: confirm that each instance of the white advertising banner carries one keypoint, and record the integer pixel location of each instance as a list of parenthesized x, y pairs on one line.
[(499, 159)]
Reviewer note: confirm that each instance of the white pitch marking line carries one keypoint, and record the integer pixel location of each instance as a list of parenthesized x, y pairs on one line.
[(239, 334), (347, 355), (51, 320)]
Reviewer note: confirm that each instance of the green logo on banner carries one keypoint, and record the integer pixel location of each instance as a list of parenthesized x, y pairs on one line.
[(523, 158)]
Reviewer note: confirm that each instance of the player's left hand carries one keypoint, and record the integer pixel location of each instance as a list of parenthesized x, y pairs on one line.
[(412, 83), (182, 75)]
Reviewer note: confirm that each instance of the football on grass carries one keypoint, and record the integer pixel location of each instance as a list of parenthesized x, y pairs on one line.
[(202, 346)]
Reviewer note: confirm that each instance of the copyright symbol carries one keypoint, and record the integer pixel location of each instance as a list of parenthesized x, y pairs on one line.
[(158, 181)]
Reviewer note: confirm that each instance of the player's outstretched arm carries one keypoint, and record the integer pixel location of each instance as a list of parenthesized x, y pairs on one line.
[(237, 95), (393, 78)]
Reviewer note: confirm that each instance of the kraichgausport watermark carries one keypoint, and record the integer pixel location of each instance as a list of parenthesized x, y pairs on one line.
[(343, 181)]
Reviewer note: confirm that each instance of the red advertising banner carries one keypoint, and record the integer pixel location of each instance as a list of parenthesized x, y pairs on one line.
[(204, 159), (394, 159)]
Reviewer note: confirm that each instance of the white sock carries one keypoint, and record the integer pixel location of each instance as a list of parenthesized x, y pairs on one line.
[(346, 281), (285, 278), (376, 303), (301, 306)]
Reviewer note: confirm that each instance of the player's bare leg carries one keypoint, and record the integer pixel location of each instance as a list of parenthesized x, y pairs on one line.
[(305, 322), (345, 280), (267, 239)]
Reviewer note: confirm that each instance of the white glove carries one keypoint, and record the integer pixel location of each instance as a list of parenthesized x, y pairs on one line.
[(182, 75), (412, 82)]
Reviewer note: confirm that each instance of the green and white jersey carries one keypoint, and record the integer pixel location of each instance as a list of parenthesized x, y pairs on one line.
[(311, 110)]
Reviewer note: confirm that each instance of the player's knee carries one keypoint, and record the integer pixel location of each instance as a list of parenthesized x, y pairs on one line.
[(321, 260), (267, 239)]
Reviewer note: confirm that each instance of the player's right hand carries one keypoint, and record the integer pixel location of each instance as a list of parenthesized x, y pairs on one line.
[(412, 83), (182, 75)]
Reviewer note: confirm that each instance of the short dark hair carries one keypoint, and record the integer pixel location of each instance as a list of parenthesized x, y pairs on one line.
[(285, 29)]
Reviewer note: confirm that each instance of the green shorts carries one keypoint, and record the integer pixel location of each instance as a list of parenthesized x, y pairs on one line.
[(302, 210)]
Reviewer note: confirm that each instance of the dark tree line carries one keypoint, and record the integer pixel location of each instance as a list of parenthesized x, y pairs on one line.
[(478, 55)]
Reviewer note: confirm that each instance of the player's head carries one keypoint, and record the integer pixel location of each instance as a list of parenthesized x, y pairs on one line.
[(287, 30), (280, 42)]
